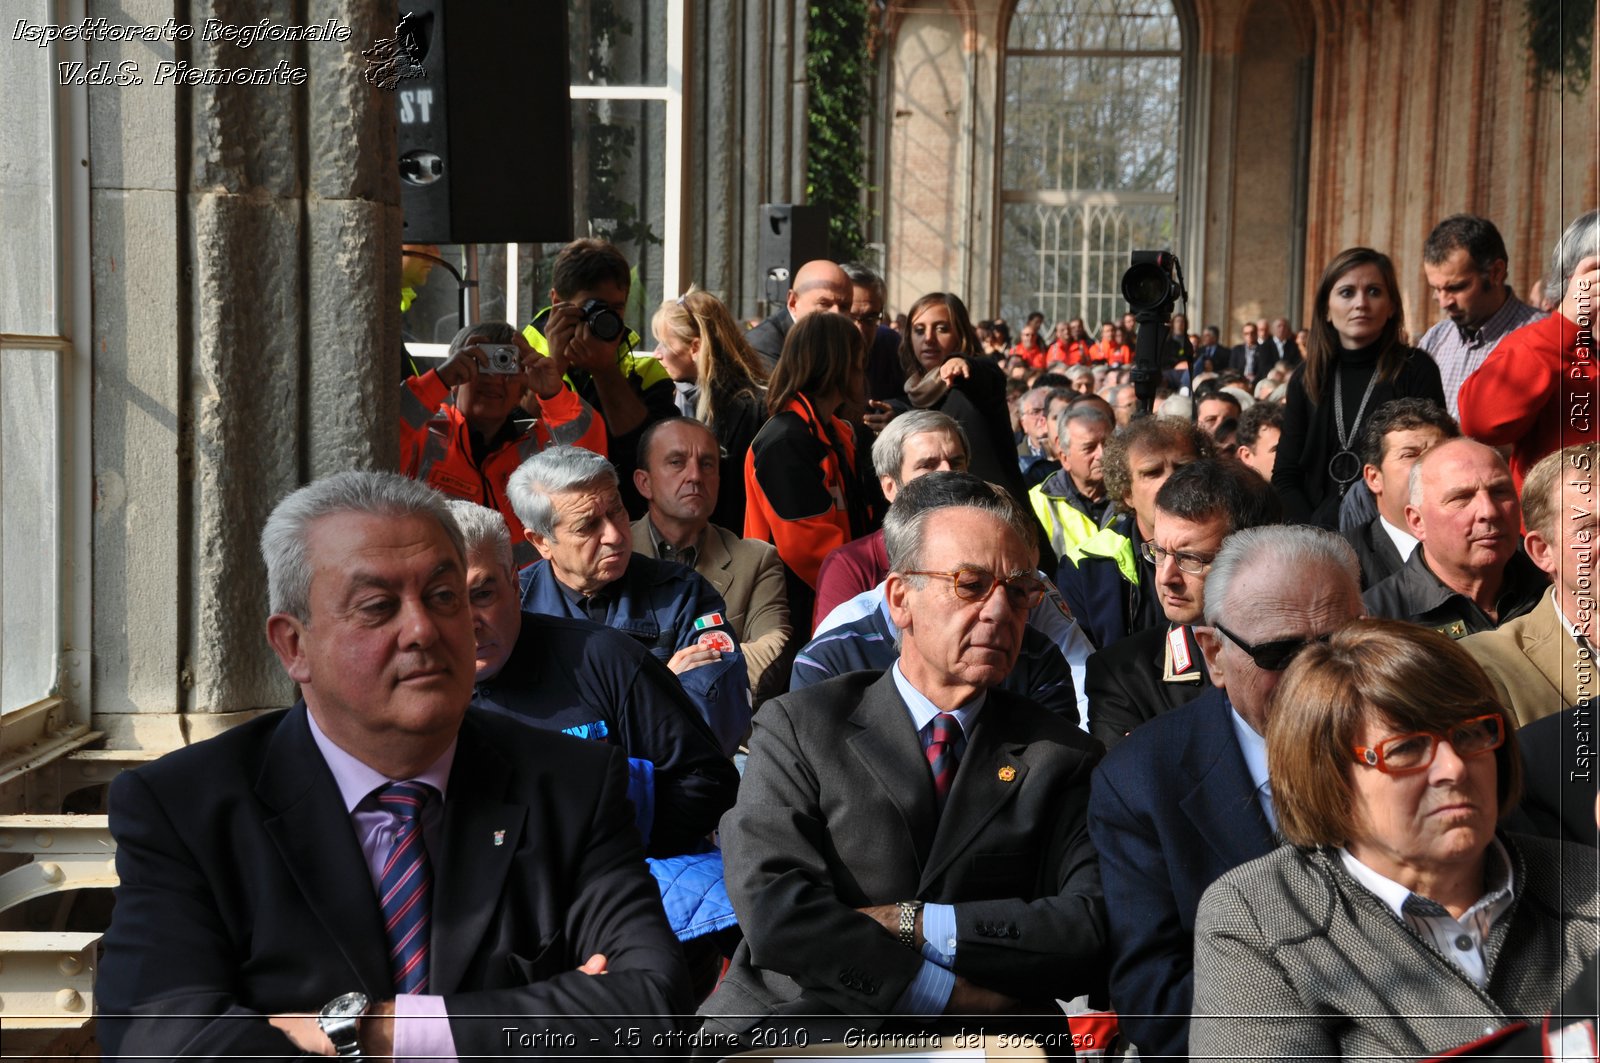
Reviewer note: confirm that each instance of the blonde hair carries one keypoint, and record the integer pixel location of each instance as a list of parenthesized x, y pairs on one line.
[(725, 365)]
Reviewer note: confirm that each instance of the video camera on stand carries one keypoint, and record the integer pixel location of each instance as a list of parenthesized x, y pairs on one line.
[(1152, 285)]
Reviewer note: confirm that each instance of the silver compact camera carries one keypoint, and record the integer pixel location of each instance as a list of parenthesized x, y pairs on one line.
[(503, 360)]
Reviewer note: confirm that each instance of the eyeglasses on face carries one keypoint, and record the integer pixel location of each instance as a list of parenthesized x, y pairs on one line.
[(1272, 656), (1193, 564), (1023, 590), (1404, 754)]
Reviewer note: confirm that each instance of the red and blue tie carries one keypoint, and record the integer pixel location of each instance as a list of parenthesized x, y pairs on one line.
[(405, 889), (943, 756)]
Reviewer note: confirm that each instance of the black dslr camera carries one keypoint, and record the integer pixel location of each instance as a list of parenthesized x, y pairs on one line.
[(604, 323), (1152, 285)]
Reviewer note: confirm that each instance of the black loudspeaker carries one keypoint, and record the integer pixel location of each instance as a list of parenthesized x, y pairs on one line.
[(790, 237), (485, 132)]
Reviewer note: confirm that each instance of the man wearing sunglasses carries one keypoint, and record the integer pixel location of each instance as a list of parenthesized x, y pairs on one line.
[(1160, 668), (1184, 798), (911, 846)]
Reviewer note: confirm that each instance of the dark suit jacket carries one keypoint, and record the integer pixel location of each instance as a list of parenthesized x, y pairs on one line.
[(837, 812), (244, 893), (1172, 809), (1558, 777), (1266, 358), (1376, 551), (1126, 683)]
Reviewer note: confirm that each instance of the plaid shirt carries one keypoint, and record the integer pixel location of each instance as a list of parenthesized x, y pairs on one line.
[(1459, 354)]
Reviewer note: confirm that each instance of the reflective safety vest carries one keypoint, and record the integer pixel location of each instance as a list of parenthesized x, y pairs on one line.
[(1068, 525), (1110, 544), (436, 448), (647, 368)]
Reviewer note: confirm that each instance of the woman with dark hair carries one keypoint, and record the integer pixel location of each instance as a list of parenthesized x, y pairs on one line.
[(946, 371), (700, 345), (803, 481), (1354, 364), (1396, 923)]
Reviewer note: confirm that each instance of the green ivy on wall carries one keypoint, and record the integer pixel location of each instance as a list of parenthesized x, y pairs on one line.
[(1561, 38), (836, 81)]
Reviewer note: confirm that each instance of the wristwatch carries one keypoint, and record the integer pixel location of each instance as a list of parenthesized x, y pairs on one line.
[(340, 1019), (908, 922)]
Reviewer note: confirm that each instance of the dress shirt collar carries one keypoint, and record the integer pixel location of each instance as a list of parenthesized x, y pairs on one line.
[(357, 781), (1253, 746), (667, 552), (1497, 881), (1403, 540), (923, 711)]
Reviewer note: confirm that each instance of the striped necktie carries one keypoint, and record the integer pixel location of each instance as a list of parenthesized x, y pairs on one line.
[(405, 889), (943, 758)]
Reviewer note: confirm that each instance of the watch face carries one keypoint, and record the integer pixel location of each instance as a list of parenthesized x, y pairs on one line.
[(346, 1006)]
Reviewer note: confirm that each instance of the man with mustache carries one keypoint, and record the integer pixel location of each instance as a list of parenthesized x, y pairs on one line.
[(568, 501), (1467, 574), (909, 847)]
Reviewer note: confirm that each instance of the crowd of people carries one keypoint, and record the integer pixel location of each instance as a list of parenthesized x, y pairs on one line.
[(844, 679)]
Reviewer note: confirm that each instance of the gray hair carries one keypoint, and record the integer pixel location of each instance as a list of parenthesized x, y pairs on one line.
[(906, 521), (1079, 372), (1581, 239), (1293, 550), (554, 471), (380, 494), (484, 332), (863, 276), (482, 528), (1083, 411), (889, 450)]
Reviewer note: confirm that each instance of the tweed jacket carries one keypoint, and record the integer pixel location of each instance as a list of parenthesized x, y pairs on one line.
[(1534, 663), (749, 576), (1294, 959)]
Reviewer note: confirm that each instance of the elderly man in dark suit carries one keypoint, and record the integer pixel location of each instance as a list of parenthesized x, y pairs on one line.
[(428, 877), (912, 845), (1185, 798)]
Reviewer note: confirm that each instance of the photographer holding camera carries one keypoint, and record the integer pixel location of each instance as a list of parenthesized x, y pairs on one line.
[(584, 328), (468, 448)]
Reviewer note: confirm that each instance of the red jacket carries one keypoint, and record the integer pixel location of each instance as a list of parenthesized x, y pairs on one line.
[(435, 448), (1535, 392), (1069, 352)]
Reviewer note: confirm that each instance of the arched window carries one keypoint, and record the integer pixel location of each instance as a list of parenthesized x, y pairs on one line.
[(1089, 168)]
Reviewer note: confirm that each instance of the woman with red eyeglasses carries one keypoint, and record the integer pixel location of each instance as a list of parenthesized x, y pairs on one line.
[(1397, 923)]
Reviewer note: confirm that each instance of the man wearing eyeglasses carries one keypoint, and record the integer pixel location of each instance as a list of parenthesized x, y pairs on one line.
[(1160, 668), (1185, 798), (912, 845)]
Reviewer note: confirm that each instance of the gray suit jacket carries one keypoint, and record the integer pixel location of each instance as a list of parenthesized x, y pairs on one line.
[(837, 812), (1294, 959), (749, 576), (1534, 664)]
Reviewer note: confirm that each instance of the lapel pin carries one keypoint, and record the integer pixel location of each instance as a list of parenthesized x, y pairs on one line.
[(499, 837), (1007, 773)]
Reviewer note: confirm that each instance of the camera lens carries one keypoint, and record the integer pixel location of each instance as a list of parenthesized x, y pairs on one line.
[(604, 322), (1146, 286)]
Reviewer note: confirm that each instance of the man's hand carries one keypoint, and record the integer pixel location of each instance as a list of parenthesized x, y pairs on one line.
[(595, 964), (540, 374), (888, 917), (570, 340), (692, 657), (878, 415), (377, 1031), (463, 367), (969, 998), (1582, 292)]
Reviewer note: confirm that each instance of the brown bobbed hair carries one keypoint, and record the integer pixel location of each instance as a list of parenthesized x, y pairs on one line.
[(821, 353), (1323, 347), (1410, 677), (960, 320)]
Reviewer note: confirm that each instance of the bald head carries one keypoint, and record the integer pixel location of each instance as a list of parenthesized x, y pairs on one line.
[(1463, 509), (819, 285)]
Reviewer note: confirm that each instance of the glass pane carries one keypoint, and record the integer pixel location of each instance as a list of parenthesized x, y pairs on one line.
[(619, 148), (1068, 261), (1095, 25), (1091, 123), (29, 527), (27, 199), (617, 42)]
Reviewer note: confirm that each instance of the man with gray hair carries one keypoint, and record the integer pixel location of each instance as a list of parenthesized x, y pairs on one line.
[(1072, 503), (1185, 797), (380, 851), (910, 846), (1034, 455), (1536, 392), (1466, 573), (581, 679), (912, 445), (567, 499)]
